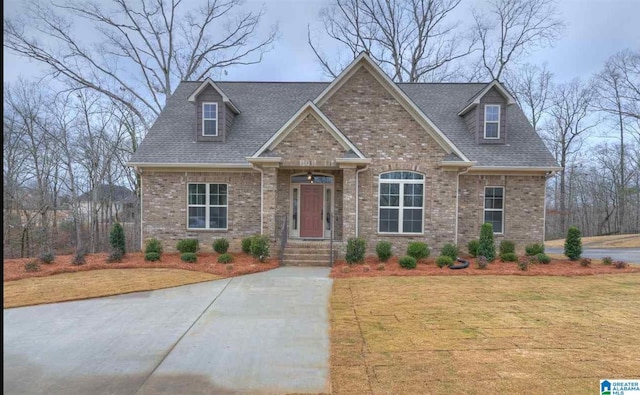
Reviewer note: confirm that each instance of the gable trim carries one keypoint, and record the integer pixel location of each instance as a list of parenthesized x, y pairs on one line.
[(309, 108), (476, 99), (363, 60), (209, 82)]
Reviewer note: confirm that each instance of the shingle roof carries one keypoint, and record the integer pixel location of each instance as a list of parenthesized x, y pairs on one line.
[(266, 106)]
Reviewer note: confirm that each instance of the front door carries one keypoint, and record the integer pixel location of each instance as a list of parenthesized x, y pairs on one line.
[(311, 203)]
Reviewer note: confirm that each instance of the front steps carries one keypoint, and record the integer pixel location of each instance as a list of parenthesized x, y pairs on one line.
[(307, 253)]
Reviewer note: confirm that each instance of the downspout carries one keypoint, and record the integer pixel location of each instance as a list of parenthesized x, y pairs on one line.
[(261, 197), (548, 175), (139, 171), (455, 238), (357, 196)]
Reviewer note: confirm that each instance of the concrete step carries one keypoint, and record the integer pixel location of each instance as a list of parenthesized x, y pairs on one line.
[(323, 263)]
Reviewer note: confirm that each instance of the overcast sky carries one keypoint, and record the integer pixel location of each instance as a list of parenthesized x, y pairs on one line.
[(595, 30)]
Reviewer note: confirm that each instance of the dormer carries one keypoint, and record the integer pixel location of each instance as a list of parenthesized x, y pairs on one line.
[(486, 114), (214, 112)]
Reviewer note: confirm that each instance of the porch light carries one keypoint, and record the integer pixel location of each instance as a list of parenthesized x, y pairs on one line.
[(310, 177)]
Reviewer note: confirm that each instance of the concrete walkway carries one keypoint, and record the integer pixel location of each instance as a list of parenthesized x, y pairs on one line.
[(262, 333), (631, 255)]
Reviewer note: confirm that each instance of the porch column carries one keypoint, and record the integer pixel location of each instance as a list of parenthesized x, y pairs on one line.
[(348, 202), (269, 190)]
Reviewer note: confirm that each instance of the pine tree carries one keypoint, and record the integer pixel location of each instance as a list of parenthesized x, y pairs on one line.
[(573, 244), (116, 238)]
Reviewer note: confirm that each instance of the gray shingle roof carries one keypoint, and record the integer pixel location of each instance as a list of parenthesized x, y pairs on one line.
[(266, 106)]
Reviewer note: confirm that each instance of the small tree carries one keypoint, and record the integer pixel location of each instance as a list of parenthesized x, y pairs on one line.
[(573, 244), (487, 247), (116, 238)]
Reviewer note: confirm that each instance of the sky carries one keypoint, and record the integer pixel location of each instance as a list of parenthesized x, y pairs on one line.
[(596, 29)]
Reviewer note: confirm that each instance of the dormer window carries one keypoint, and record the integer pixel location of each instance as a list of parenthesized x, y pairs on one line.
[(492, 121), (209, 119)]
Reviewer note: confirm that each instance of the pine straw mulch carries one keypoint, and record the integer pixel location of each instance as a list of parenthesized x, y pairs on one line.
[(428, 267), (13, 269)]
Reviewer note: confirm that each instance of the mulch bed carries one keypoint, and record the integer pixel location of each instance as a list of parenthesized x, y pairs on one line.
[(207, 262), (428, 267)]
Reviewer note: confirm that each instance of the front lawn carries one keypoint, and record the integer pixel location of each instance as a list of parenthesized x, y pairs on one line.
[(483, 334)]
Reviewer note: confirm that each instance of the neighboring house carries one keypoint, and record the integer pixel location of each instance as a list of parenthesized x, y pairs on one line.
[(112, 202), (362, 155)]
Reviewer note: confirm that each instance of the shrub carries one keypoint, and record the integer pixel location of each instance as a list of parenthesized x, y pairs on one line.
[(32, 266), (408, 262), (543, 258), (116, 238), (366, 268), (607, 260), (534, 249), (356, 248), (507, 247), (190, 257), (221, 245), (383, 249), (523, 263), (153, 245), (573, 244), (487, 247), (345, 269), (482, 262), (225, 258), (450, 250), (418, 250), (79, 257), (188, 245), (260, 248), (508, 257), (229, 267), (472, 247), (620, 264), (47, 257), (246, 245), (115, 255), (380, 266), (585, 262), (151, 256), (444, 260)]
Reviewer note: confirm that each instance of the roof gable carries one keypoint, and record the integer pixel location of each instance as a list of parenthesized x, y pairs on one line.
[(209, 82), (475, 100)]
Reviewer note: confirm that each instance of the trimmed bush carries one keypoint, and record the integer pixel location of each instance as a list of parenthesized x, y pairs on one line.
[(508, 257), (523, 263), (260, 248), (573, 244), (151, 256), (115, 256), (47, 257), (190, 257), (79, 257), (607, 260), (543, 258), (450, 250), (221, 245), (620, 264), (507, 247), (225, 258), (246, 245), (487, 247), (153, 245), (32, 266), (408, 262), (472, 247), (356, 248), (380, 266), (585, 262), (444, 260), (116, 238), (534, 249), (383, 249), (188, 245), (482, 262), (418, 250)]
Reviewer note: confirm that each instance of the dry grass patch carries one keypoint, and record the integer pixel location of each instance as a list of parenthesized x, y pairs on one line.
[(614, 241), (483, 334), (95, 283)]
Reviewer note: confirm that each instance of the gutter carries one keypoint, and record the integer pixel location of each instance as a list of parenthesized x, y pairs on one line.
[(197, 165)]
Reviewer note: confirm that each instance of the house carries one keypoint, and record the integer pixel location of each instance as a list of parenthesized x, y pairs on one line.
[(111, 202), (359, 156)]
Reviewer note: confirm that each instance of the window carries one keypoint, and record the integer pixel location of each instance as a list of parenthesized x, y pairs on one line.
[(492, 121), (207, 206), (494, 208), (401, 196), (209, 119)]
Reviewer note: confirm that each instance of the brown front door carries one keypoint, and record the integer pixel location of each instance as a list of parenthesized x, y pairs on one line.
[(311, 224)]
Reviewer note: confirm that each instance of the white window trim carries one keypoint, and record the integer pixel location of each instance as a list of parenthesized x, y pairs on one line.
[(485, 121), (295, 233), (484, 208), (401, 207), (207, 206), (210, 119)]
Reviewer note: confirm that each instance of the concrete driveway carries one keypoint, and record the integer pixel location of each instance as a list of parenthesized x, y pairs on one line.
[(631, 255), (262, 333)]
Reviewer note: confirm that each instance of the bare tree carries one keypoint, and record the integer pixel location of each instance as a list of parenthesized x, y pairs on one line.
[(413, 40), (510, 29), (144, 48), (531, 85)]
